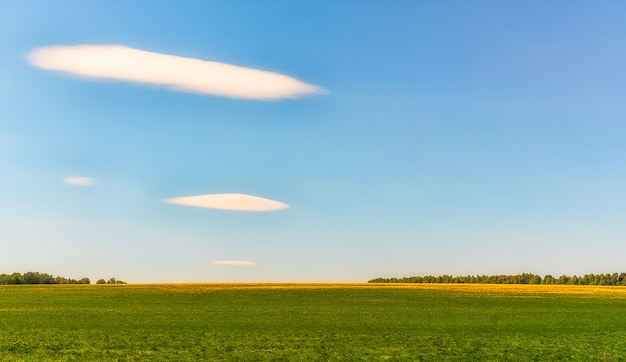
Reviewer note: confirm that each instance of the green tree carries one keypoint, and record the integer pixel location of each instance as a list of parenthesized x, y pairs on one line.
[(16, 278), (534, 279)]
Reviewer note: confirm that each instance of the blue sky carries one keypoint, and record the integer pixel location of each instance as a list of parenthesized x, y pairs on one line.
[(450, 137)]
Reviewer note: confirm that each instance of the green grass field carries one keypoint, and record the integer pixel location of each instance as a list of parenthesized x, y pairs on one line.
[(312, 322)]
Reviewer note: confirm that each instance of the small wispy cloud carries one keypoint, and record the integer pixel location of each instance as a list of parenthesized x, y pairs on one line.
[(126, 64), (239, 202), (3, 139), (234, 262), (79, 181)]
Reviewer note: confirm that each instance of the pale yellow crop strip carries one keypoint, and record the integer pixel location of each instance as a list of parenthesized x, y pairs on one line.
[(589, 290), (616, 291)]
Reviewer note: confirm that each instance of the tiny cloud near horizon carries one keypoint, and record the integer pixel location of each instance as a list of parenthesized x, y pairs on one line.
[(177, 73), (79, 181), (239, 202), (234, 262)]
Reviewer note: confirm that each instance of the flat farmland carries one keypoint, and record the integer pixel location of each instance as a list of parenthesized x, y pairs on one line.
[(429, 322)]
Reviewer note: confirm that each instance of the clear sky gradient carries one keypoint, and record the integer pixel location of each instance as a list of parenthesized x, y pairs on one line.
[(444, 137)]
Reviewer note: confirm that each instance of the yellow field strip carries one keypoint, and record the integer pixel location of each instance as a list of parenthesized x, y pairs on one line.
[(519, 289), (591, 290), (617, 291)]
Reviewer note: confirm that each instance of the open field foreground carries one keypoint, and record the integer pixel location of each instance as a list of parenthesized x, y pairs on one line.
[(312, 322)]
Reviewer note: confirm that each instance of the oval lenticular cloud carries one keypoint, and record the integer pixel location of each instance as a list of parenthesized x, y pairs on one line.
[(240, 202), (79, 180), (126, 64)]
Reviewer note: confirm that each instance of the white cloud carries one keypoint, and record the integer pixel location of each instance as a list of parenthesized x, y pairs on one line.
[(234, 262), (239, 202), (126, 64), (79, 181)]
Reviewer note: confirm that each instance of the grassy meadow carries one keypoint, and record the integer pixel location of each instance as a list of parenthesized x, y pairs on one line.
[(429, 322)]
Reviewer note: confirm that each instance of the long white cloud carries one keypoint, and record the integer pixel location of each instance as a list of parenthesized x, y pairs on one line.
[(79, 181), (240, 202), (126, 64), (234, 262)]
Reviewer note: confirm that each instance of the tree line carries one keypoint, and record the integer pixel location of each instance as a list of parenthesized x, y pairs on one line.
[(43, 278), (524, 278)]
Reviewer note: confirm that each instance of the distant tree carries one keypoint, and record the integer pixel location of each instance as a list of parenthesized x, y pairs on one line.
[(101, 281), (84, 281), (605, 279), (524, 278), (534, 279), (16, 278), (112, 280), (32, 278), (38, 278)]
